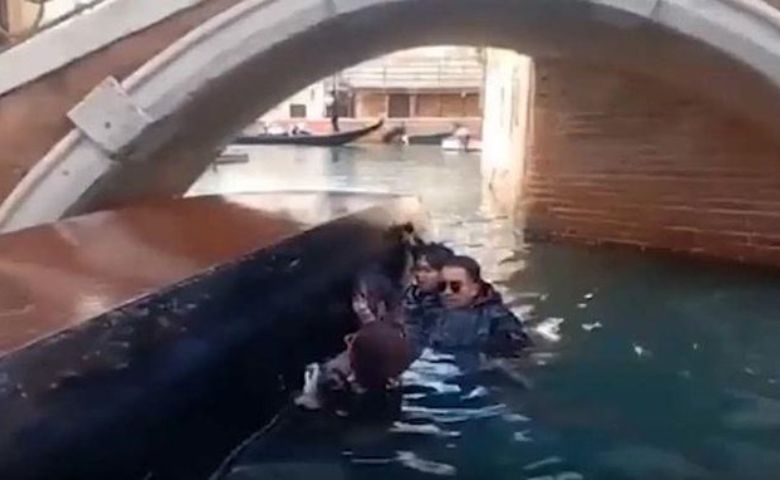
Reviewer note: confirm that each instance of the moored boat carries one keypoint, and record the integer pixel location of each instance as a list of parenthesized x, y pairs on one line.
[(324, 140), (398, 135), (455, 144)]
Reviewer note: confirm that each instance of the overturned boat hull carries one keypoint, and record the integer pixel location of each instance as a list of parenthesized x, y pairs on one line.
[(147, 341)]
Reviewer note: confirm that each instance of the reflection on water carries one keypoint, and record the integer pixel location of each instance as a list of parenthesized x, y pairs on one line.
[(646, 367), (437, 178)]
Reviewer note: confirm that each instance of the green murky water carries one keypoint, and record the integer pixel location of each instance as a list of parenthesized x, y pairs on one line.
[(646, 367)]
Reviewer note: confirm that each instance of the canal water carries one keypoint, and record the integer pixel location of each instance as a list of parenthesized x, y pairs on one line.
[(645, 366)]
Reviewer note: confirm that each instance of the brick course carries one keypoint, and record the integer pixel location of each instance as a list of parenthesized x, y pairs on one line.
[(617, 158)]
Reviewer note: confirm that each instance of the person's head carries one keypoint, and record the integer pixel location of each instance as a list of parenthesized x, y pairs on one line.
[(378, 352), (429, 260), (461, 282), (375, 297)]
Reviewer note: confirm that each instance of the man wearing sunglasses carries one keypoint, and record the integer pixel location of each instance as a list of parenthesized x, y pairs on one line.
[(474, 318)]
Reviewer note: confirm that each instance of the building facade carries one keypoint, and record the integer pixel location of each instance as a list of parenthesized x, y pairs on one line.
[(430, 82), (426, 89), (310, 104)]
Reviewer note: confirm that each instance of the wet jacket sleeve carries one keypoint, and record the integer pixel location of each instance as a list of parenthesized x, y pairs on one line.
[(507, 336), (418, 338)]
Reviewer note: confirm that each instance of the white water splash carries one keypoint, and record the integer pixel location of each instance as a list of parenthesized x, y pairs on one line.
[(434, 356), (423, 372), (550, 329), (411, 460), (515, 418), (477, 392), (424, 429), (415, 396), (453, 415), (641, 351), (589, 327), (438, 386), (524, 311), (543, 463)]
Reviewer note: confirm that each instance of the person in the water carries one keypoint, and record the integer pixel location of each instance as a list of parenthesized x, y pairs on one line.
[(422, 302), (376, 355), (474, 318)]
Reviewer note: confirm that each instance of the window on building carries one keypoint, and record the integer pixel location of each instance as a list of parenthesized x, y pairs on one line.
[(398, 105), (428, 105), (452, 105), (297, 110)]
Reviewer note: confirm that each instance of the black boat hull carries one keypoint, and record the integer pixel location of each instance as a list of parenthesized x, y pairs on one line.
[(433, 139), (164, 386), (329, 140), (395, 136)]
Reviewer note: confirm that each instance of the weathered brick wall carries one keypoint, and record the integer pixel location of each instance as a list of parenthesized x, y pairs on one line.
[(621, 159)]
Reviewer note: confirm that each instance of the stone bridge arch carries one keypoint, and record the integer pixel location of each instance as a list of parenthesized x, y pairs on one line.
[(154, 133)]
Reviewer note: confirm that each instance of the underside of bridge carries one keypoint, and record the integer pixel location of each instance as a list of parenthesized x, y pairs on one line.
[(654, 122)]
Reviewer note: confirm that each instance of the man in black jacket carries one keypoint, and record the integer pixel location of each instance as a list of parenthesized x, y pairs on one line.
[(474, 319), (421, 302)]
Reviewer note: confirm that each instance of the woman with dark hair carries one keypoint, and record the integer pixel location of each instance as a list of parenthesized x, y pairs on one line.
[(376, 354), (375, 298)]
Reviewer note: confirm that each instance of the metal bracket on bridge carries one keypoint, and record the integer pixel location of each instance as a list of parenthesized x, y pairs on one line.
[(108, 116)]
